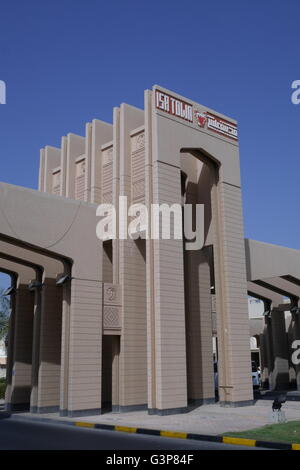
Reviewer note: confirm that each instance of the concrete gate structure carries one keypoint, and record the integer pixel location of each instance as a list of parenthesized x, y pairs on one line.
[(131, 319)]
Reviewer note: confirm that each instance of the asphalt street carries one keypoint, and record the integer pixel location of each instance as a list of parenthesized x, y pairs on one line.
[(16, 434)]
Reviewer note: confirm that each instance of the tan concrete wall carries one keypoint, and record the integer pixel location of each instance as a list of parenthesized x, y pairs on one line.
[(60, 216), (64, 223)]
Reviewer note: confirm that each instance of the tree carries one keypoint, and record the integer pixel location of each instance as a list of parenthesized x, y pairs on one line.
[(4, 314)]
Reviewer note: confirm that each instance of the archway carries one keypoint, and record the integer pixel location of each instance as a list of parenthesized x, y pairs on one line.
[(198, 179), (215, 274)]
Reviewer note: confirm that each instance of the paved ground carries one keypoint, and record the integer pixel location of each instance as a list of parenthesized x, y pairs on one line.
[(16, 434), (207, 419)]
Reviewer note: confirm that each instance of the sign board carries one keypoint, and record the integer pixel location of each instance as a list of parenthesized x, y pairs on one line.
[(174, 106), (216, 124), (204, 119), (221, 126)]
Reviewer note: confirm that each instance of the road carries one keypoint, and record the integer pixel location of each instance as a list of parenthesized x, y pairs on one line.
[(17, 434)]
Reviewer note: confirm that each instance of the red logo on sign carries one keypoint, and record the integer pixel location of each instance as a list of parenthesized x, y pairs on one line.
[(200, 118)]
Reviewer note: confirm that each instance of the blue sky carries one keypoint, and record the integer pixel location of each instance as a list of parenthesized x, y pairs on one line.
[(66, 62)]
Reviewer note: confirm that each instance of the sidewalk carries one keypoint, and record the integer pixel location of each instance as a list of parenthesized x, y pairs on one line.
[(207, 419)]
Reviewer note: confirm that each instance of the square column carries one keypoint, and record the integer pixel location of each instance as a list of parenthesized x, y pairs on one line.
[(234, 359), (18, 395), (167, 343), (280, 375), (49, 348), (35, 350), (65, 355), (266, 354), (200, 370), (84, 349), (131, 265), (133, 350), (296, 336), (10, 352)]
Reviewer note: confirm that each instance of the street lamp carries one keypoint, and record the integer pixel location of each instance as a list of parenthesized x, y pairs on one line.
[(63, 279), (9, 291), (35, 285)]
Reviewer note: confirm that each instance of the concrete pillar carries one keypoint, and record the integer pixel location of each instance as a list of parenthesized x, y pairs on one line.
[(98, 133), (50, 347), (168, 342), (167, 381), (200, 370), (10, 350), (132, 271), (19, 398), (35, 351), (295, 336), (85, 349), (65, 349), (133, 350), (263, 361), (234, 366), (267, 355), (75, 149), (280, 375)]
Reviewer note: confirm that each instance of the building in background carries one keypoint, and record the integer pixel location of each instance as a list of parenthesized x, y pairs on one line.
[(2, 358)]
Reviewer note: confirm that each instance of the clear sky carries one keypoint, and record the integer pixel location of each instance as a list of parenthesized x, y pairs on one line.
[(66, 62)]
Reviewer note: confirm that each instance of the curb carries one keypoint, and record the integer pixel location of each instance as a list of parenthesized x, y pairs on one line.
[(165, 433)]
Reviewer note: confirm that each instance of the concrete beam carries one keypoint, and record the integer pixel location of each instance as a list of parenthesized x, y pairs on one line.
[(264, 260)]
